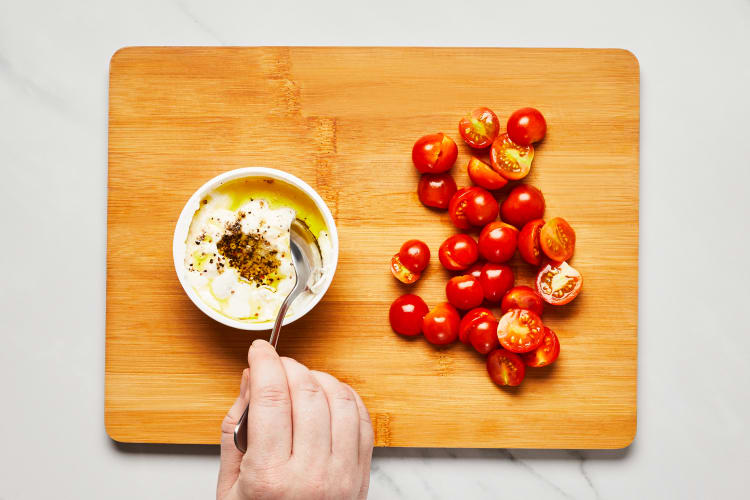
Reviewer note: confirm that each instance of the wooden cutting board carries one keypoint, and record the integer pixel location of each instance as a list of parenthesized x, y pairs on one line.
[(344, 120)]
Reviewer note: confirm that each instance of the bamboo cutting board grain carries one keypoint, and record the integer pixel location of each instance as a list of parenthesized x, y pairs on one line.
[(344, 120)]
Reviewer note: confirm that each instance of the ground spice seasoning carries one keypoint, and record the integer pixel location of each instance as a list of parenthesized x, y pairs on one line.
[(251, 254)]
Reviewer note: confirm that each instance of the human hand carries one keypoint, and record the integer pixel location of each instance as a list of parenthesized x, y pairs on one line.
[(309, 435)]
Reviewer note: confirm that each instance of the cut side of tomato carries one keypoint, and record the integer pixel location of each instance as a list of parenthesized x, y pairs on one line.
[(529, 245), (546, 353), (505, 367), (401, 273), (520, 330), (479, 128), (509, 159), (482, 175), (557, 239), (558, 283)]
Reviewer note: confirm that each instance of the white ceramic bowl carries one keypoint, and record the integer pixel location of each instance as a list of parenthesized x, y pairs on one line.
[(186, 217)]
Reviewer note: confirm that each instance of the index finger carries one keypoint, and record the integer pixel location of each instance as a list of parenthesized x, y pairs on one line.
[(269, 418)]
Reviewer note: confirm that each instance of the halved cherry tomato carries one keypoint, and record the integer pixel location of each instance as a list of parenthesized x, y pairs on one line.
[(522, 297), (524, 203), (458, 252), (498, 241), (436, 190), (520, 330), (475, 270), (440, 326), (473, 206), (483, 334), (479, 128), (496, 279), (470, 318), (414, 255), (482, 175), (406, 314), (558, 283), (526, 125), (546, 353), (434, 153), (464, 292), (509, 159), (557, 239), (401, 273), (529, 245), (505, 367)]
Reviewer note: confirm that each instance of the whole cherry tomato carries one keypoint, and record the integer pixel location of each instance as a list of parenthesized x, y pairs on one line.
[(522, 297), (401, 273), (529, 245), (509, 159), (483, 334), (440, 326), (546, 353), (496, 279), (406, 314), (526, 126), (434, 153), (464, 292), (557, 239), (497, 241), (414, 255), (482, 175), (558, 284), (458, 252), (470, 318), (479, 128), (472, 206), (520, 330), (524, 203), (436, 190), (505, 367), (475, 269)]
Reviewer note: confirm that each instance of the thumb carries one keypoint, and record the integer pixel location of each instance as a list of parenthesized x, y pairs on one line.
[(231, 457)]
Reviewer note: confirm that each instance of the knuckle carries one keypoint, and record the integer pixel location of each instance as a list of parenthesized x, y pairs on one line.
[(272, 396), (344, 396), (309, 388)]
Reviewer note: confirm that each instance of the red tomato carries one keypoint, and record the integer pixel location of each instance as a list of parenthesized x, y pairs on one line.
[(401, 273), (528, 242), (406, 314), (458, 252), (472, 206), (483, 334), (505, 367), (497, 241), (434, 153), (523, 204), (475, 270), (436, 190), (464, 292), (482, 175), (520, 330), (527, 125), (496, 279), (440, 326), (470, 318), (479, 128), (558, 284), (414, 256), (509, 159), (546, 353), (557, 239), (522, 297)]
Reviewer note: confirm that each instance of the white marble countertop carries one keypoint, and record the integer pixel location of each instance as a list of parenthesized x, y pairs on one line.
[(694, 385)]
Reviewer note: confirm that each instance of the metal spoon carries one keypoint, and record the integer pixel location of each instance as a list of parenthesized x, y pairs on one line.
[(306, 258)]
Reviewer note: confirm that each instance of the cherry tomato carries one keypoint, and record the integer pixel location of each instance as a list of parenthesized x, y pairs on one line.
[(482, 175), (520, 330), (505, 367), (558, 284), (483, 334), (479, 128), (406, 314), (528, 242), (526, 125), (546, 353), (496, 279), (436, 190), (434, 153), (401, 273), (524, 203), (458, 252), (467, 322), (498, 241), (440, 326), (464, 292), (414, 256), (522, 297), (475, 270), (557, 239), (509, 159), (472, 206)]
